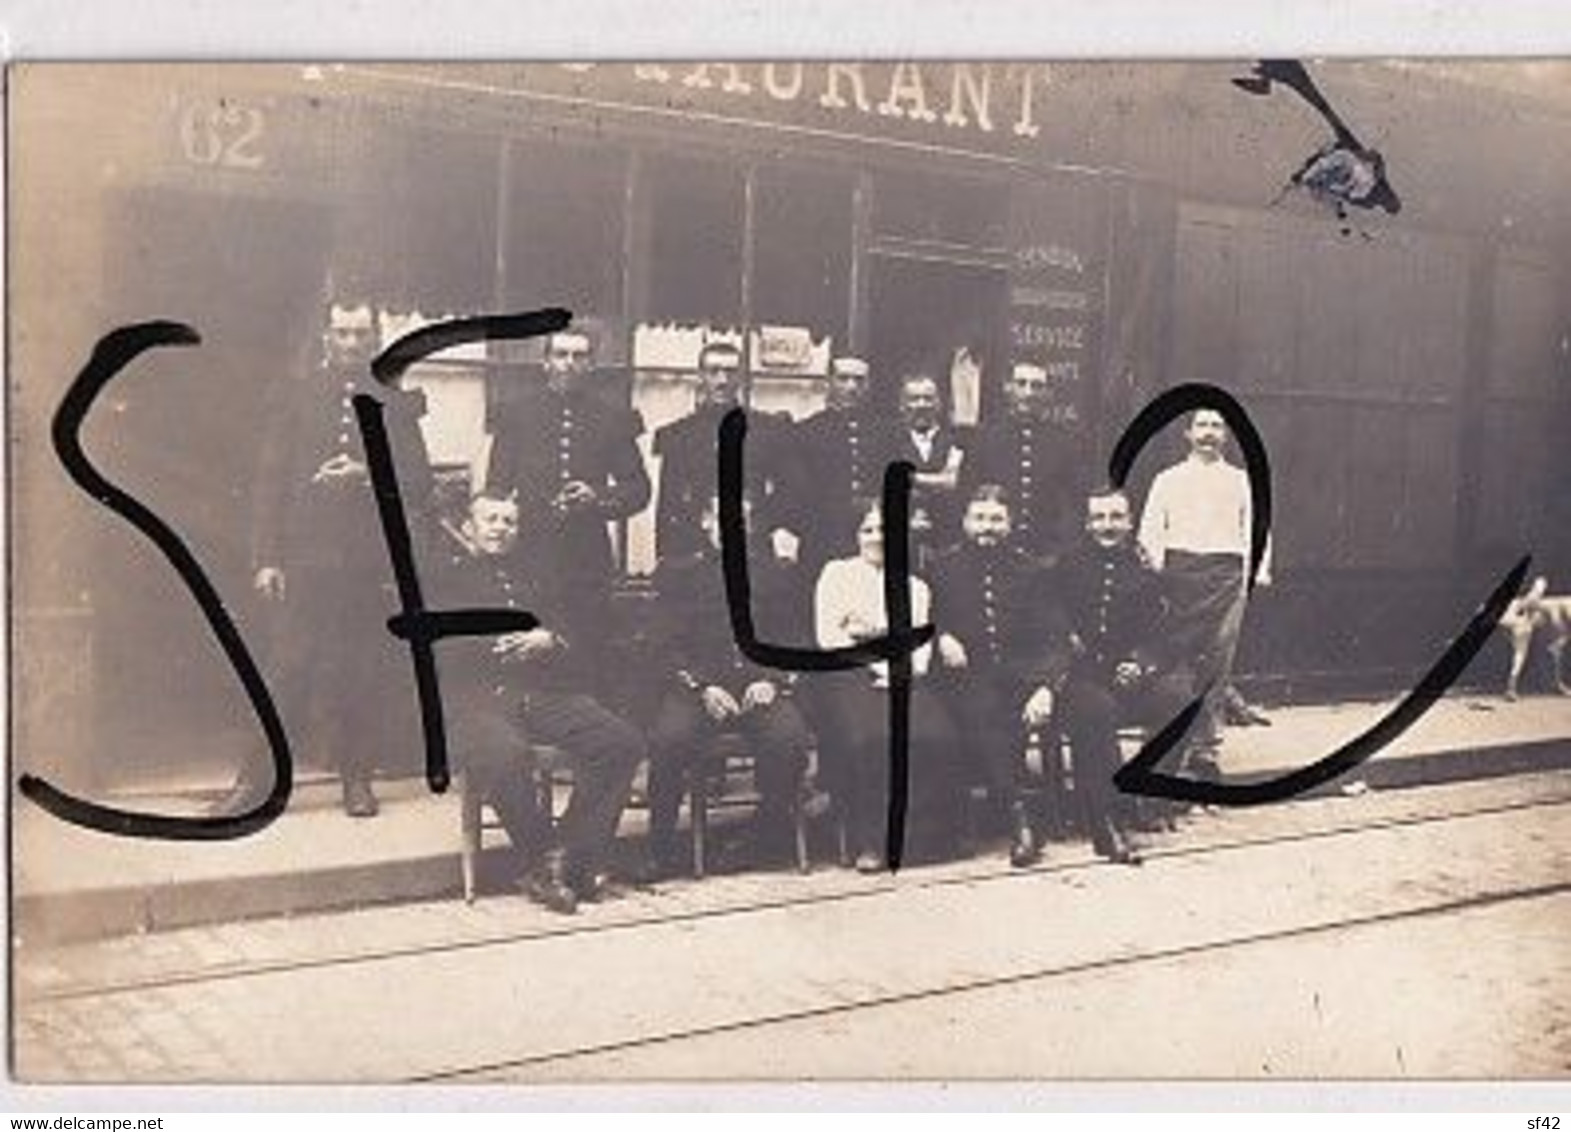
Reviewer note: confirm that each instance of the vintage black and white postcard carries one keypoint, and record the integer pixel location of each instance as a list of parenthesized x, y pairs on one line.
[(701, 570)]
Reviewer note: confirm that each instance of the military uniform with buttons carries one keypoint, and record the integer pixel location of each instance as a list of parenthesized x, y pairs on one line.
[(1029, 458), (1112, 666), (319, 551), (993, 601), (689, 474), (496, 707), (700, 650), (544, 442), (838, 457)]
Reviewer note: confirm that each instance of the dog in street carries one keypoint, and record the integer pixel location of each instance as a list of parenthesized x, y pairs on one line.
[(1532, 611)]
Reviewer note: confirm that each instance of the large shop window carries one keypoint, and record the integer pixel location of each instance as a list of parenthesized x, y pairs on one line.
[(695, 223), (563, 232), (927, 208), (420, 226), (802, 249)]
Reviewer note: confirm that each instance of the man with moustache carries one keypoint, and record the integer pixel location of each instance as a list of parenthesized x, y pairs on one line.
[(689, 447), (572, 458), (319, 559), (1196, 529), (1114, 662), (923, 439), (989, 603), (836, 456)]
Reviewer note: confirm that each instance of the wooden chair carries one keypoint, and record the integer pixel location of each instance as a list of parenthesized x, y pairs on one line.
[(1048, 758), (710, 786), (550, 765), (1147, 813)]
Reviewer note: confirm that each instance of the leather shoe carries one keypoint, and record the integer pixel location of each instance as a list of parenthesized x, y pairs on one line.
[(1023, 848), (1240, 713), (546, 884), (869, 861), (1116, 848), (359, 800), (245, 795), (590, 887)]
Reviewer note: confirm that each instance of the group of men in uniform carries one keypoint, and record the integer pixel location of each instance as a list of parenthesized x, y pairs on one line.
[(1050, 616)]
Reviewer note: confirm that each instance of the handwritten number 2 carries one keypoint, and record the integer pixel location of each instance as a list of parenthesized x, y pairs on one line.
[(1138, 776)]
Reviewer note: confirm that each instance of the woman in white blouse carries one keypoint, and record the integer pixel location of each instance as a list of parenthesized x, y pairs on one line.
[(848, 608)]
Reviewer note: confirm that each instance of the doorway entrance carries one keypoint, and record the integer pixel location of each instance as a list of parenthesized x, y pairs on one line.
[(181, 432), (942, 313)]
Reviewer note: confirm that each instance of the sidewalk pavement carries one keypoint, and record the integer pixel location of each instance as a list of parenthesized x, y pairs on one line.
[(72, 883)]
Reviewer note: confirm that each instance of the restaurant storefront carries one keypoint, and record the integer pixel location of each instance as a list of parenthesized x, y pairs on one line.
[(1115, 223)]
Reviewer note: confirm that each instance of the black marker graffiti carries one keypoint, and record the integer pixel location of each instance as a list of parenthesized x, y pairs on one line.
[(1137, 776), (1344, 172), (895, 646), (422, 628), (112, 354)]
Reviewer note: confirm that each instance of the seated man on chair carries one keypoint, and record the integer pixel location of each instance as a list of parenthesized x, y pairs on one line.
[(1112, 663), (713, 689), (987, 600), (507, 691)]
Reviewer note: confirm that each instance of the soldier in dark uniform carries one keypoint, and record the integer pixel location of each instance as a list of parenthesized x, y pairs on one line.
[(320, 562), (713, 689), (689, 452), (837, 456), (990, 606), (1112, 662), (573, 460), (1024, 452), (531, 685)]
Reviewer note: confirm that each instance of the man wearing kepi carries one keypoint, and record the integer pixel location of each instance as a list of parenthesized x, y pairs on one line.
[(1195, 529), (989, 600), (531, 686), (320, 565), (1022, 451), (572, 458)]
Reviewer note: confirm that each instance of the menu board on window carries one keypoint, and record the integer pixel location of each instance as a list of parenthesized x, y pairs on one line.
[(1057, 240)]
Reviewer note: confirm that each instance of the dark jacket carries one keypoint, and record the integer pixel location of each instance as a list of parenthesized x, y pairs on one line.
[(470, 668), (695, 623), (689, 449), (1034, 462), (941, 504), (835, 457), (1112, 603), (299, 518), (542, 440), (997, 604)]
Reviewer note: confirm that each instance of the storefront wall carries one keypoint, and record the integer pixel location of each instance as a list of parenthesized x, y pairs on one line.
[(1409, 383)]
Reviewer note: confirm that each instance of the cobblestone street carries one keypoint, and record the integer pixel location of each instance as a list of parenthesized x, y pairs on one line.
[(1416, 933)]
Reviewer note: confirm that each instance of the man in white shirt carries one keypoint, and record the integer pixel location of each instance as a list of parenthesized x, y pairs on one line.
[(1195, 529)]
